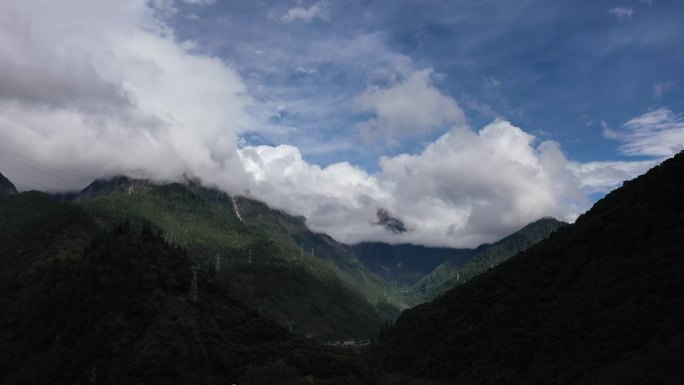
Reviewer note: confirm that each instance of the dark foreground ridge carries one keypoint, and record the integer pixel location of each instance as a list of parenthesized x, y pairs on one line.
[(598, 302)]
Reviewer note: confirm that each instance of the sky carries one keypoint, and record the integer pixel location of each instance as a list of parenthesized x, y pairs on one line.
[(442, 123)]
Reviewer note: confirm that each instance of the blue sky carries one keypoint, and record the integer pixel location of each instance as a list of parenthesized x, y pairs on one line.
[(465, 120), (557, 69)]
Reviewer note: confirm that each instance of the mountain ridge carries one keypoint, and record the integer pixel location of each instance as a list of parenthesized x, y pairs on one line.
[(449, 274), (6, 187), (599, 301), (328, 294)]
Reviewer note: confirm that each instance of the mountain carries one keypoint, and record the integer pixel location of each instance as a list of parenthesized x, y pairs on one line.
[(329, 294), (600, 301), (405, 264), (119, 311), (117, 184), (6, 187), (451, 273)]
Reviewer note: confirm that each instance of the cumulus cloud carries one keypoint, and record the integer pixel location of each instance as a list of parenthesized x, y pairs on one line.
[(407, 108), (91, 89), (621, 13), (318, 10), (464, 189), (657, 133), (105, 88)]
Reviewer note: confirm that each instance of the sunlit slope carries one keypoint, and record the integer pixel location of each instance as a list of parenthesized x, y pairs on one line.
[(259, 260)]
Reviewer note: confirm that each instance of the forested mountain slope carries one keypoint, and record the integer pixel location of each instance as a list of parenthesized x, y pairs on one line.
[(120, 312), (328, 294), (451, 273), (600, 301)]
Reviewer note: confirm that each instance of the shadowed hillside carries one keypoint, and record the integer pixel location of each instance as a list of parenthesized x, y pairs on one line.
[(121, 313), (451, 273), (600, 301)]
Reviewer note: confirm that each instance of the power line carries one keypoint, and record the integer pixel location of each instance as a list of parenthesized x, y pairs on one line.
[(37, 157)]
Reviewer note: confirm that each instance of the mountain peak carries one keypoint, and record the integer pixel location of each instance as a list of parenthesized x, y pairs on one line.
[(6, 187), (119, 183)]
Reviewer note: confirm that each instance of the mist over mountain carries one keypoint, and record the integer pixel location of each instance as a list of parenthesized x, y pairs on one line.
[(341, 192), (599, 301), (91, 91)]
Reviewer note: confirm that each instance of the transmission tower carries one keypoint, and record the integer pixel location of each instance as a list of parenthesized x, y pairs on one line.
[(194, 296), (218, 263), (290, 325), (249, 259), (312, 251)]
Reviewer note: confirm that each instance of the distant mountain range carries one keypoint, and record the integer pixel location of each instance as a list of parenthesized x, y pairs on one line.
[(600, 301), (422, 273), (406, 264)]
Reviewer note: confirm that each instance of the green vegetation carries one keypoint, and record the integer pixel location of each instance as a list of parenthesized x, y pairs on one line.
[(329, 295), (600, 301), (452, 273), (84, 304), (120, 315)]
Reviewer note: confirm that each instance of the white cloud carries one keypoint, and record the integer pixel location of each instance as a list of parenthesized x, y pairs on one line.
[(199, 2), (407, 108), (660, 89), (96, 88), (483, 108), (104, 88), (318, 10), (658, 133), (464, 189), (164, 7), (621, 13), (602, 177)]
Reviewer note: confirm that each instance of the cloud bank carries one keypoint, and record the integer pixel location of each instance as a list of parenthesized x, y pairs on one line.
[(103, 87), (464, 189), (92, 89)]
